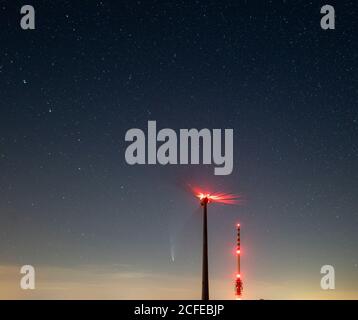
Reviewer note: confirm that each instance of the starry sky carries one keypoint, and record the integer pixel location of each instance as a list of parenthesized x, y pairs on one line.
[(95, 227)]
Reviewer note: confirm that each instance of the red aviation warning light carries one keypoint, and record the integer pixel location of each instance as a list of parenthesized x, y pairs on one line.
[(225, 198), (238, 281)]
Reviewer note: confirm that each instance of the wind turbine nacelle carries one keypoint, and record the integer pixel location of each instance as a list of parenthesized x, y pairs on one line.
[(204, 201)]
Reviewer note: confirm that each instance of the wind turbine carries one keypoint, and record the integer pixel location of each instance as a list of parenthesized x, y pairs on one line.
[(206, 198)]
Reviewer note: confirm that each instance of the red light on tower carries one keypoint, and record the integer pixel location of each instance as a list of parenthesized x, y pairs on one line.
[(225, 198), (238, 281)]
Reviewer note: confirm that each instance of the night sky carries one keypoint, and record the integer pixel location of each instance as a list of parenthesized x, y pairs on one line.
[(95, 227)]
